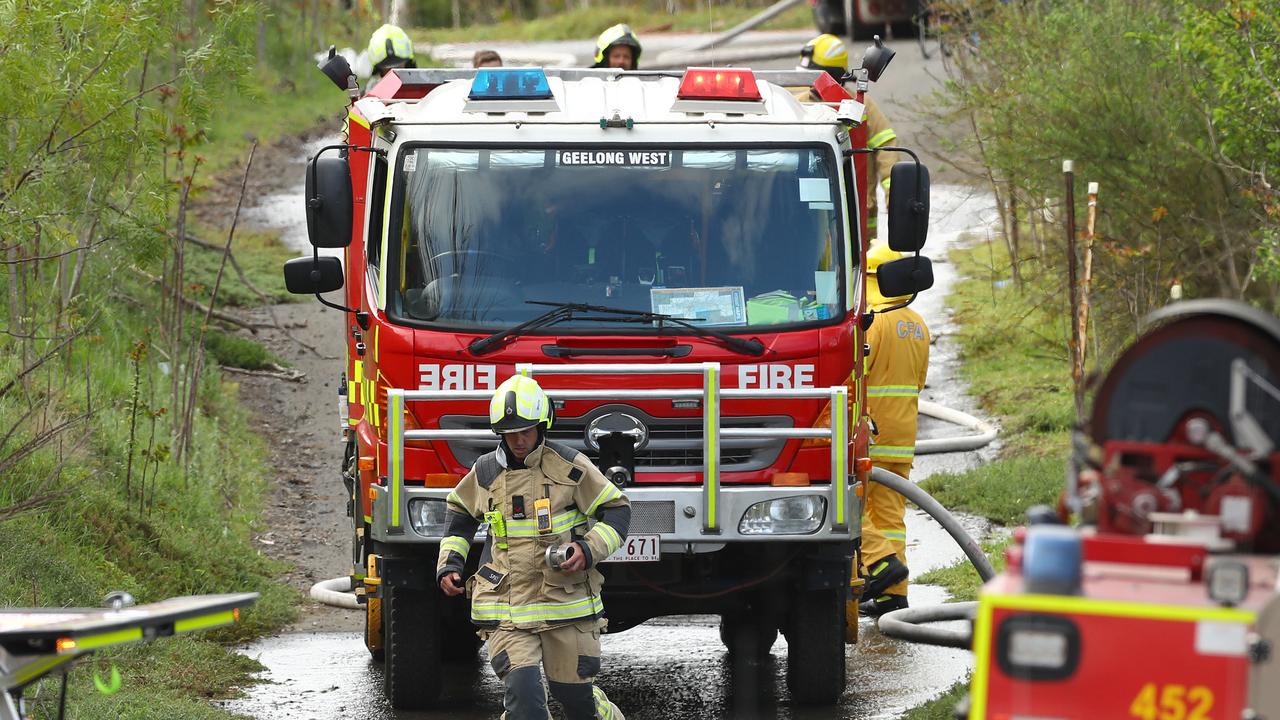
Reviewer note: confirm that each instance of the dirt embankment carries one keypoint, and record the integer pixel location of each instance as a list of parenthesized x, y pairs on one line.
[(305, 522)]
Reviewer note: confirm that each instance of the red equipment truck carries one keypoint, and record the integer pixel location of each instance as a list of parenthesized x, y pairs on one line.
[(675, 256), (1164, 606)]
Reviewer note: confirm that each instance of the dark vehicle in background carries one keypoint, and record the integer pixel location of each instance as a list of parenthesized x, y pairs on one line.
[(870, 17)]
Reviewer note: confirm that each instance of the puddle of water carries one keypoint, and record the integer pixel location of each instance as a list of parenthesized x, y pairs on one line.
[(677, 667)]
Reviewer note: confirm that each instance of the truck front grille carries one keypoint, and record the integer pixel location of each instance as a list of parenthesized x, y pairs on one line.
[(675, 444)]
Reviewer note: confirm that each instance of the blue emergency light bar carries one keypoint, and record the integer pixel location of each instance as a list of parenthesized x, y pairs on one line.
[(510, 84)]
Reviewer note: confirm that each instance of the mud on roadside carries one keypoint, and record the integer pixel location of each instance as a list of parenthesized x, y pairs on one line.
[(304, 520)]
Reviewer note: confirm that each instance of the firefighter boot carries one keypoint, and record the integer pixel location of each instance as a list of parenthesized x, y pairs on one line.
[(882, 575), (876, 607)]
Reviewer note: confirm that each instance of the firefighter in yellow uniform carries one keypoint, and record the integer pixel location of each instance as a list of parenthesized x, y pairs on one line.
[(828, 53), (895, 375), (535, 494)]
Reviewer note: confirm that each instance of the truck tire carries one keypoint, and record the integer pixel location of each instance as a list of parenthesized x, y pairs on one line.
[(815, 647), (411, 675), (460, 644), (747, 636)]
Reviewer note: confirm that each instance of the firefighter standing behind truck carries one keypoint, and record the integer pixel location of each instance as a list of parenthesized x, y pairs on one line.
[(618, 47), (534, 495), (828, 53), (895, 375)]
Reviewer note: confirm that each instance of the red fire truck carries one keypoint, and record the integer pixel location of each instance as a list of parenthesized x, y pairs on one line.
[(1164, 605), (675, 256)]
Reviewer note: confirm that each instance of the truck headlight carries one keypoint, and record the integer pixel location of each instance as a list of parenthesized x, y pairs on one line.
[(1038, 647), (428, 516), (795, 515)]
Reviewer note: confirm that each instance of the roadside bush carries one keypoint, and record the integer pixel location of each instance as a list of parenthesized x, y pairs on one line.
[(1157, 101)]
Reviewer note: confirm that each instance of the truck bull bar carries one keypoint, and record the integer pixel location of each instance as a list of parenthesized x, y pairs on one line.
[(396, 498)]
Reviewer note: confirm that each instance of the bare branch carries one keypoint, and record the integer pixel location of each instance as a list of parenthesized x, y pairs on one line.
[(225, 317)]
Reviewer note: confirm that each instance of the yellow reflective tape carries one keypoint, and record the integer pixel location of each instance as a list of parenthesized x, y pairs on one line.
[(355, 115), (201, 622), (893, 391), (456, 544), (536, 612), (34, 670), (1115, 608), (604, 708), (837, 430), (895, 534), (356, 381), (395, 420), (886, 182), (712, 479), (610, 536), (981, 660), (376, 334), (117, 637), (559, 523), (383, 279), (608, 494), (454, 499), (893, 451), (881, 138)]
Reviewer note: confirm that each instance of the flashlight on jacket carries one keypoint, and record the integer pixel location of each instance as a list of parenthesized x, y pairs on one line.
[(497, 527)]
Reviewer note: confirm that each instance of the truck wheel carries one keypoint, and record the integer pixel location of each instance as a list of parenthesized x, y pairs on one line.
[(411, 670), (373, 628), (747, 636), (815, 647)]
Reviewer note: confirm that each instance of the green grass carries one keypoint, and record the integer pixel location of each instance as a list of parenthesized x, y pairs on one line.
[(960, 578), (588, 22), (271, 108), (259, 254), (942, 707)]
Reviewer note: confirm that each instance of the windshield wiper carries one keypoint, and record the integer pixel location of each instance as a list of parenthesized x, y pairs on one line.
[(737, 344), (562, 311), (558, 313)]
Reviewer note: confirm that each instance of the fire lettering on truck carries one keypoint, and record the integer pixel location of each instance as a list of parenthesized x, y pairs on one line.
[(774, 377), (622, 158), (461, 376)]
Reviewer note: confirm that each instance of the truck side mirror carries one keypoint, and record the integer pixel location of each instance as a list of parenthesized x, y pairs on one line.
[(876, 58), (313, 275), (908, 206), (329, 200), (905, 277)]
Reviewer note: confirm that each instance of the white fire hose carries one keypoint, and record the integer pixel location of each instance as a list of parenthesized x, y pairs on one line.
[(338, 592)]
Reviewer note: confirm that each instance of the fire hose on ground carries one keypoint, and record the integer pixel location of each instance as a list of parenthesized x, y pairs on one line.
[(903, 624)]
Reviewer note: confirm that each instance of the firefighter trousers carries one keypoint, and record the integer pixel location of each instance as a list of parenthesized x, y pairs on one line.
[(884, 524), (570, 654)]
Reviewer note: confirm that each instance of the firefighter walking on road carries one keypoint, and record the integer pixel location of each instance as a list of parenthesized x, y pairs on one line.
[(828, 53), (895, 375), (536, 606)]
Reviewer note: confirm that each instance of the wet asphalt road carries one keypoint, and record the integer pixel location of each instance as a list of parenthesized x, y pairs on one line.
[(677, 667)]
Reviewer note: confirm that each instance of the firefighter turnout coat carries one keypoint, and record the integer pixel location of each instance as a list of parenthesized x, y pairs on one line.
[(514, 587)]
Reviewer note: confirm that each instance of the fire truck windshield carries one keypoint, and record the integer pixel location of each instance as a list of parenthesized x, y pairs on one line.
[(733, 238)]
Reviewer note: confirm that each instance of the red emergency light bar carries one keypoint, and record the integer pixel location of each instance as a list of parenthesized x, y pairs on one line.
[(718, 84)]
